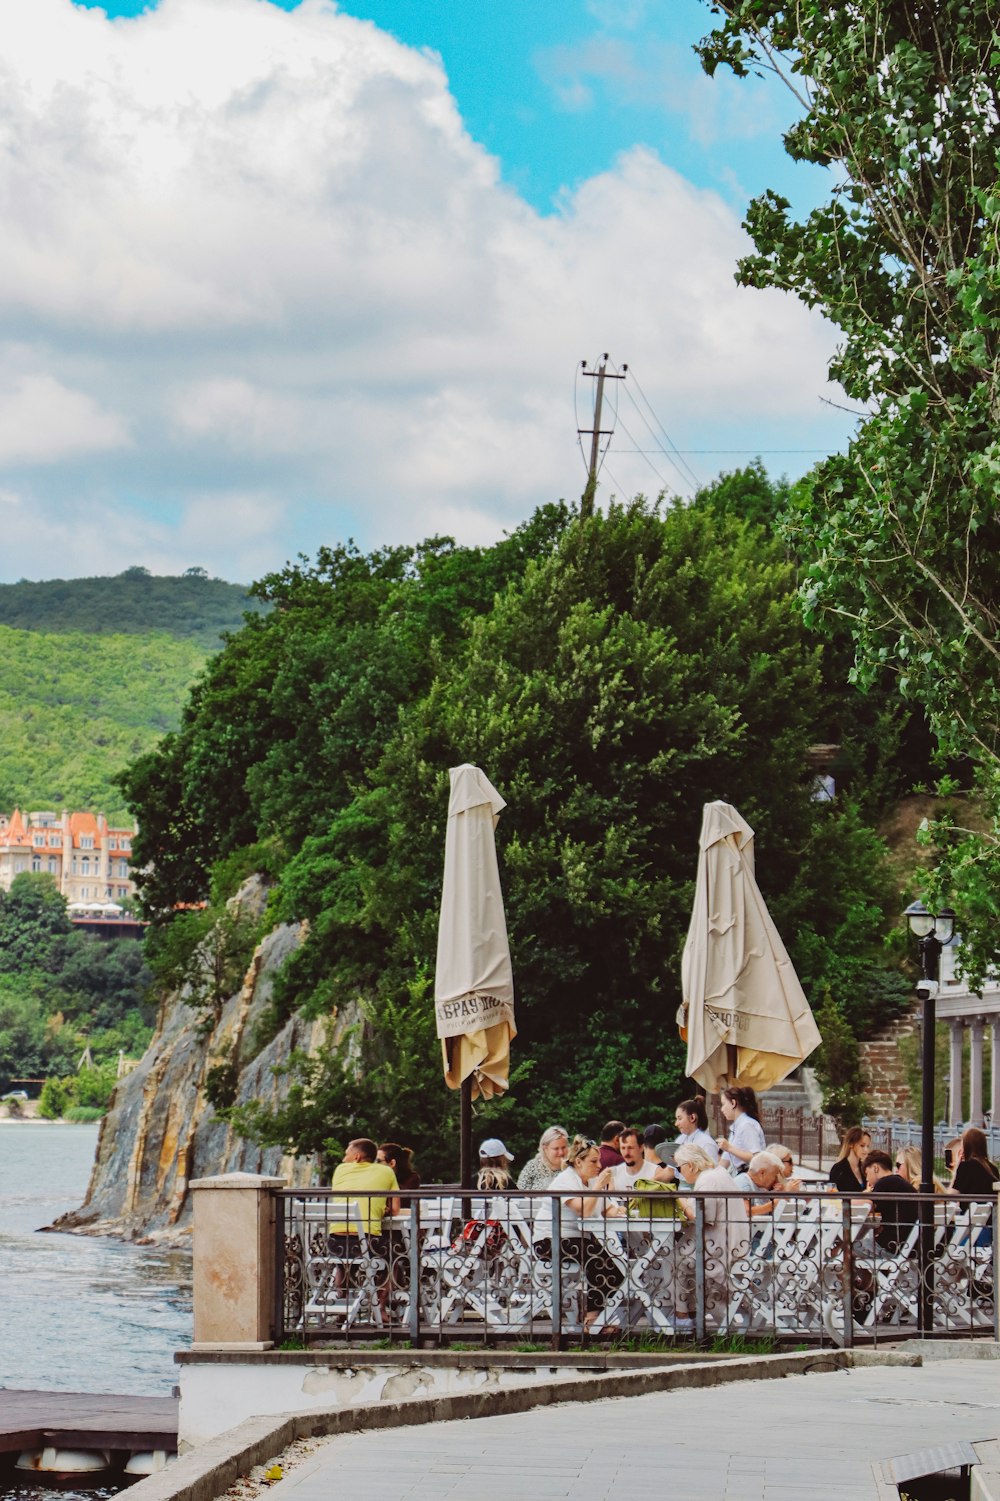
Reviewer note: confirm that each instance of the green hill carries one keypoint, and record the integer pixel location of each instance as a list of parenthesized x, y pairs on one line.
[(190, 606), (75, 708)]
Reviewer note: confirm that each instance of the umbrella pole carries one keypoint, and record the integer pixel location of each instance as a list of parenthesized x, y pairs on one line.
[(465, 1137)]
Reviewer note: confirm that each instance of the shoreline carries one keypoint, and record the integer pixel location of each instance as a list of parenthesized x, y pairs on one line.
[(41, 1120)]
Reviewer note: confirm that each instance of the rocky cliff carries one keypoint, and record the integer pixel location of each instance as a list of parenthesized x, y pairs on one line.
[(161, 1132)]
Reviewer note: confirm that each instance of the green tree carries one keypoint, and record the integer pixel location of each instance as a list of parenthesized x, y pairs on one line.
[(651, 663), (285, 720), (33, 916), (901, 532)]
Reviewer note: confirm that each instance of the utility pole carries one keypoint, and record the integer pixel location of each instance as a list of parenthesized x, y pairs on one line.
[(601, 374)]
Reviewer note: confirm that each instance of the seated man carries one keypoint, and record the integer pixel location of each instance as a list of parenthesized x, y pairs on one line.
[(366, 1181), (762, 1171), (896, 1216), (610, 1150), (789, 1184), (636, 1163)]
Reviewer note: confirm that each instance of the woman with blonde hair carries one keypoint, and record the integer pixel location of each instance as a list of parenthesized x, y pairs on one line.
[(579, 1186), (847, 1174), (908, 1163), (550, 1159)]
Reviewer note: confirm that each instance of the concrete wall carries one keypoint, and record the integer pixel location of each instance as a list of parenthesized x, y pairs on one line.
[(217, 1394)]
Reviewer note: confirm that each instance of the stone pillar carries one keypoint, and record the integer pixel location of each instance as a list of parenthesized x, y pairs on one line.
[(995, 1071), (234, 1261), (976, 1071), (956, 1110)]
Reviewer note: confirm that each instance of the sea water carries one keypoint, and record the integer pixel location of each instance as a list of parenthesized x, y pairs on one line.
[(79, 1313)]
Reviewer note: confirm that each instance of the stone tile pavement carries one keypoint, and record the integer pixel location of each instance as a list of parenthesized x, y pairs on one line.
[(804, 1438)]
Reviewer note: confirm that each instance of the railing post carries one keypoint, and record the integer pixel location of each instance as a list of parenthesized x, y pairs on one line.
[(847, 1239), (234, 1260), (556, 1238), (278, 1280), (414, 1308), (699, 1268)]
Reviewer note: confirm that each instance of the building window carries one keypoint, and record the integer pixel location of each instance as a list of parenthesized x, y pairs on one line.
[(36, 862), (112, 844), (38, 838), (76, 865), (53, 865), (86, 841)]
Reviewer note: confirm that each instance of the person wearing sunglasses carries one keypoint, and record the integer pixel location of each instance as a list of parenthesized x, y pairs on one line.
[(788, 1184)]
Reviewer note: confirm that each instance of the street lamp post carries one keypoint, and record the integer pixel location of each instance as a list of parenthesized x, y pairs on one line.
[(932, 931)]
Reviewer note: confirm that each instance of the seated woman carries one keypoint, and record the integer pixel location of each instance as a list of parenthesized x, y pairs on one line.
[(400, 1159), (972, 1170), (550, 1159), (726, 1225), (691, 1120), (974, 1173), (909, 1163), (582, 1173), (847, 1174), (489, 1215)]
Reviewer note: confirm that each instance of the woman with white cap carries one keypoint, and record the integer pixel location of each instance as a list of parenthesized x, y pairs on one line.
[(495, 1163)]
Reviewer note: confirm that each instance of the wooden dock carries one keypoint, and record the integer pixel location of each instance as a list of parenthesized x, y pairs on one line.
[(83, 1420)]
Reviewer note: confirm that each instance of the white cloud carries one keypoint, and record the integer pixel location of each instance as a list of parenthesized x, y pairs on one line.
[(259, 289), (42, 422)]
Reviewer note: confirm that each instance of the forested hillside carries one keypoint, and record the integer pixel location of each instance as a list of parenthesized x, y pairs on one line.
[(63, 991), (93, 671), (610, 675), (189, 606), (75, 709)]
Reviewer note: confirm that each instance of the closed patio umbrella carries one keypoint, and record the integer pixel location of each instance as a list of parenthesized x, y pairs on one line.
[(744, 1013), (474, 982)]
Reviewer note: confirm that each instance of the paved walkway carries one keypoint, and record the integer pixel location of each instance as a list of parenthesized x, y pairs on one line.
[(804, 1438)]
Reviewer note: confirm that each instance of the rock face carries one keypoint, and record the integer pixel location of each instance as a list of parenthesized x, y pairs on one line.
[(161, 1132)]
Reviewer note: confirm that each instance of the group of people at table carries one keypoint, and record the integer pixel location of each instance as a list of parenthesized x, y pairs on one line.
[(631, 1166)]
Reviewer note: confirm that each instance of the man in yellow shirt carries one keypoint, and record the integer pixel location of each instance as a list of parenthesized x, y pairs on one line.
[(365, 1181)]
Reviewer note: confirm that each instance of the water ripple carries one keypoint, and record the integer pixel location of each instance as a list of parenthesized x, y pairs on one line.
[(80, 1314)]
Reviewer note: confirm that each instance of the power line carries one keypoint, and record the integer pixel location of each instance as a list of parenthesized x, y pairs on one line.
[(694, 478), (662, 478), (692, 451)]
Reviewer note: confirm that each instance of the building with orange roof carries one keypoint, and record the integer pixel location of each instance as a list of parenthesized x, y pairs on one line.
[(89, 861)]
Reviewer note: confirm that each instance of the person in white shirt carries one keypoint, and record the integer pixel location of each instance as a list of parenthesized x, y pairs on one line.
[(578, 1186), (725, 1222), (635, 1163), (746, 1134), (691, 1120)]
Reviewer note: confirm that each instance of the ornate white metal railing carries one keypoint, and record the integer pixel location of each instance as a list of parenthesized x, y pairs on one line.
[(817, 1267)]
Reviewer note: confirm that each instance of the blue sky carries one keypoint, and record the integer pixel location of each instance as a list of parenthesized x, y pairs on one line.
[(275, 273), (556, 90)]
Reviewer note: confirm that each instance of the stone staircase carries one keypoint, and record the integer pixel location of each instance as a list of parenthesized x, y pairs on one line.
[(884, 1073), (790, 1094)]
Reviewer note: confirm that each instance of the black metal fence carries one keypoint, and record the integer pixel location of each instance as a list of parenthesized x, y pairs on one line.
[(811, 1267)]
